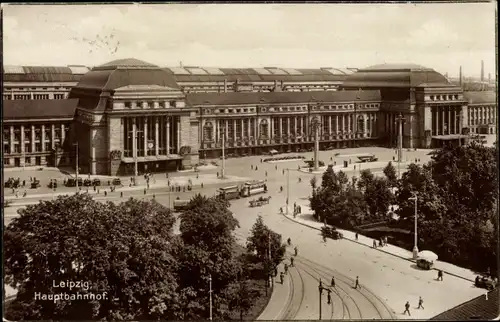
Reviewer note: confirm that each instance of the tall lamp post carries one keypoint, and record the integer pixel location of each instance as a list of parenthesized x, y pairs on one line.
[(287, 189), (77, 188), (210, 293), (415, 247)]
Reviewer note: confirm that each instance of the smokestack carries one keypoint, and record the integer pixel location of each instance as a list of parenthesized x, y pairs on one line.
[(482, 70), (460, 76)]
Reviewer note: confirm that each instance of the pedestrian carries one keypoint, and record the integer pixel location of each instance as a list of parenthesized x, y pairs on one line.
[(148, 185), (385, 240), (217, 174), (283, 172), (266, 173), (24, 183), (260, 160), (95, 188), (275, 271), (296, 251), (202, 185), (276, 167), (286, 268), (407, 308), (300, 209), (374, 243), (256, 168), (356, 236), (31, 179), (291, 261), (281, 210), (357, 283), (144, 191), (420, 303), (154, 196), (332, 284), (282, 276), (440, 275), (121, 194), (105, 193), (329, 297), (251, 167)]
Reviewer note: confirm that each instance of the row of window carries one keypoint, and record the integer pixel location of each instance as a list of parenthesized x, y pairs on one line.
[(150, 104), (35, 96), (36, 88), (16, 148), (443, 97)]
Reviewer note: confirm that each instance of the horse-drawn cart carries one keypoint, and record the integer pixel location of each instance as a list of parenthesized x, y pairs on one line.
[(259, 202)]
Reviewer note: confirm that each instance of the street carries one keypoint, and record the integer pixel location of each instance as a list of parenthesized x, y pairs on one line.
[(387, 282)]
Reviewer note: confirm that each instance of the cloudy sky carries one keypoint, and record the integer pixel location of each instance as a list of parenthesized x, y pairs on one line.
[(440, 36)]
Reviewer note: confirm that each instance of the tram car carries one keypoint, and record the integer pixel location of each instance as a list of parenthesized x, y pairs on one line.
[(251, 188), (230, 192)]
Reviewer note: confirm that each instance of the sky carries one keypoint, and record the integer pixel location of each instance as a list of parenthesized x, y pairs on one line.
[(439, 36)]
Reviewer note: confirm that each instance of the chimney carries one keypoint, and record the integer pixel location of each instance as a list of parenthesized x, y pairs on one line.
[(482, 70), (225, 85), (460, 76)]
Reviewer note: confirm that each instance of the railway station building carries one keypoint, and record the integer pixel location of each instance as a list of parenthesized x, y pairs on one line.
[(165, 119)]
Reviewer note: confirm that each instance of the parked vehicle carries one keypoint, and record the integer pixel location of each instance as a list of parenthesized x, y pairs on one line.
[(485, 282), (425, 263), (72, 182), (87, 182), (331, 232), (116, 182), (180, 205), (35, 184), (96, 182)]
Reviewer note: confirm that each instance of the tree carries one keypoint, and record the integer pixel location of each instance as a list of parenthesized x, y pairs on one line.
[(206, 250), (122, 251), (390, 174), (378, 197), (365, 179), (263, 241)]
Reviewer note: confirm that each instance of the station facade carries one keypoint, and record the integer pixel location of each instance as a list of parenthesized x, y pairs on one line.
[(129, 112)]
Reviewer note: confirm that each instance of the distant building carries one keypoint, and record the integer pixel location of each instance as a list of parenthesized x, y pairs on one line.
[(129, 111)]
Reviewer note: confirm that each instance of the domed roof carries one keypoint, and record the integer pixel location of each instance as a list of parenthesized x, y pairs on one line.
[(125, 72), (125, 63), (394, 75)]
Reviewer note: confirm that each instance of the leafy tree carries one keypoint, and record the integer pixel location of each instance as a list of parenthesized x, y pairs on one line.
[(366, 178), (207, 250), (122, 251), (262, 240), (390, 174), (378, 197)]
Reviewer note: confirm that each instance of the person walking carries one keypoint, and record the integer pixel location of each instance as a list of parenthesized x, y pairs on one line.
[(420, 303), (357, 283), (407, 308), (121, 194), (332, 284), (329, 297), (296, 251), (356, 236), (282, 276), (286, 268), (374, 244), (291, 261), (440, 275)]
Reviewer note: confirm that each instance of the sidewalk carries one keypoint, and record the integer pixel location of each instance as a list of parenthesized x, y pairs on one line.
[(447, 268), (182, 181), (358, 166), (279, 298)]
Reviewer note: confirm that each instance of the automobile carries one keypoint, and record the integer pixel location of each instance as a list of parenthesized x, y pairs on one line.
[(35, 184), (96, 182), (117, 182), (424, 263), (485, 282), (302, 150), (331, 232), (87, 182)]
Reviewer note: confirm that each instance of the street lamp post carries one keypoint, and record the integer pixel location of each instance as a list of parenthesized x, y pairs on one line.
[(415, 247), (77, 188), (210, 293), (287, 189), (223, 156)]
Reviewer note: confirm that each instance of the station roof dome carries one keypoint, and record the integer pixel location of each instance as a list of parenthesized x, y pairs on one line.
[(394, 75), (125, 72)]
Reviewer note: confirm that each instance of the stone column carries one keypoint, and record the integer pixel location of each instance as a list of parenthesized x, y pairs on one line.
[(336, 124), (280, 126), (63, 133), (178, 134), (146, 148), (410, 125), (214, 131), (269, 128), (42, 138), (329, 125), (242, 134), (168, 134), (448, 109), (22, 144), (32, 138), (234, 131), (249, 120), (52, 136), (157, 136), (288, 125)]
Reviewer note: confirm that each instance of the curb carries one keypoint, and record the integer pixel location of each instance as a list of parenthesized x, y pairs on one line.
[(380, 250), (267, 304)]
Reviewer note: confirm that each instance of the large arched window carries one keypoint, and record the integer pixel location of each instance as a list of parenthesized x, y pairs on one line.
[(208, 132), (361, 124), (263, 128)]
